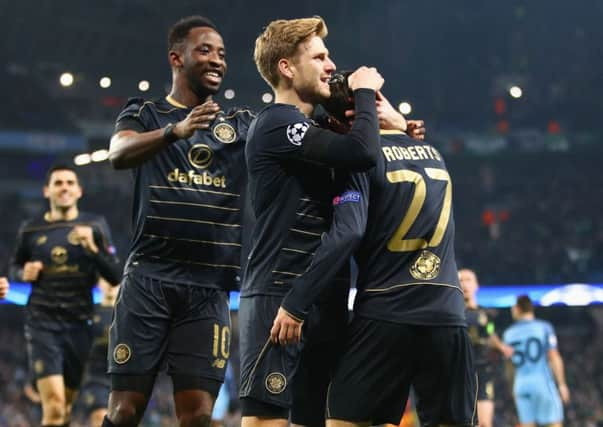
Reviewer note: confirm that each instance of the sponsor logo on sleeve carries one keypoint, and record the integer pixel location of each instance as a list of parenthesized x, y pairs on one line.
[(347, 197)]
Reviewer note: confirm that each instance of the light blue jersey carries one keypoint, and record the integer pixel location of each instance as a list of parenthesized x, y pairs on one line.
[(536, 395)]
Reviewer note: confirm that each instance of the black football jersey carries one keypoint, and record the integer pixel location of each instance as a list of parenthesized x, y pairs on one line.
[(407, 268), (480, 328), (397, 221), (63, 291), (188, 198), (291, 163)]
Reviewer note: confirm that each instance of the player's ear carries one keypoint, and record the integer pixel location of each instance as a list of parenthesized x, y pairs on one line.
[(175, 59), (46, 192), (79, 191), (286, 68)]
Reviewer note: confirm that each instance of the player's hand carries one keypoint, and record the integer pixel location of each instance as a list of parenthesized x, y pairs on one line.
[(507, 351), (365, 78), (564, 393), (285, 329), (85, 235), (31, 271), (416, 129), (4, 286), (200, 117), (389, 117)]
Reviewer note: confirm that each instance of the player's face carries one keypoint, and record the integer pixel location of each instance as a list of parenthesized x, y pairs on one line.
[(468, 282), (204, 61), (313, 68), (63, 189)]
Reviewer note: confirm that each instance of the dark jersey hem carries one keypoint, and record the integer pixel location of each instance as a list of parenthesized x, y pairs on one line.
[(419, 322)]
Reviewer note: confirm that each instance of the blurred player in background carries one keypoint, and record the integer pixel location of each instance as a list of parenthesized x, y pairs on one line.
[(483, 339), (538, 365), (187, 158), (61, 252), (97, 383)]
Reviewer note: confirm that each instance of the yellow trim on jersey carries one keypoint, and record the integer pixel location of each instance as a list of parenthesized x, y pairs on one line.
[(411, 284), (186, 261), (196, 221), (209, 242), (202, 205), (175, 103), (163, 187)]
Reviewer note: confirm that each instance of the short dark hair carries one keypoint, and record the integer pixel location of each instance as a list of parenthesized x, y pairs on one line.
[(59, 167), (524, 304), (180, 29), (342, 97)]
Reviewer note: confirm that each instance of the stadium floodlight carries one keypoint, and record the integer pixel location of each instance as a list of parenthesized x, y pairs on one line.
[(143, 85), (229, 93), (82, 159), (66, 79), (99, 155), (405, 107), (515, 92), (267, 98), (105, 82)]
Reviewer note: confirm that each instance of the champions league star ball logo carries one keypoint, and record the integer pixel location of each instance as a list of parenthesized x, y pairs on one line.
[(296, 132)]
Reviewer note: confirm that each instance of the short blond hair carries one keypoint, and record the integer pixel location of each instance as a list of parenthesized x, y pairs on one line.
[(280, 39)]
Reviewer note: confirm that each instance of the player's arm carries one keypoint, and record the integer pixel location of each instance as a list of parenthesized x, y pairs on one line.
[(22, 268), (336, 248), (96, 240), (131, 144), (496, 343), (509, 367), (556, 363), (357, 150)]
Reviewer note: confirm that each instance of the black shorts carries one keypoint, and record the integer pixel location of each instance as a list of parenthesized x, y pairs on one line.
[(94, 395), (485, 383), (292, 377), (158, 324), (266, 368), (382, 360), (59, 351), (315, 369)]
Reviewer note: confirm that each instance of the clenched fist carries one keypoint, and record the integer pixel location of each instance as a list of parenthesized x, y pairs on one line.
[(85, 235), (31, 271)]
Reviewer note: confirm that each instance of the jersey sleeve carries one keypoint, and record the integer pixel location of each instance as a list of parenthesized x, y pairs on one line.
[(130, 117), (20, 256), (106, 260), (337, 245), (293, 136)]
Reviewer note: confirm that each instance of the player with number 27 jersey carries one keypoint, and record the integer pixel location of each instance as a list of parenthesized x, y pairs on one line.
[(409, 324)]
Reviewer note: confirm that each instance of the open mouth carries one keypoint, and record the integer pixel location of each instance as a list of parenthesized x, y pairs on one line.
[(213, 76)]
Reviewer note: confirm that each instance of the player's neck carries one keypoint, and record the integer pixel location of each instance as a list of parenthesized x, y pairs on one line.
[(59, 214), (184, 97), (291, 97), (471, 303), (526, 316)]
